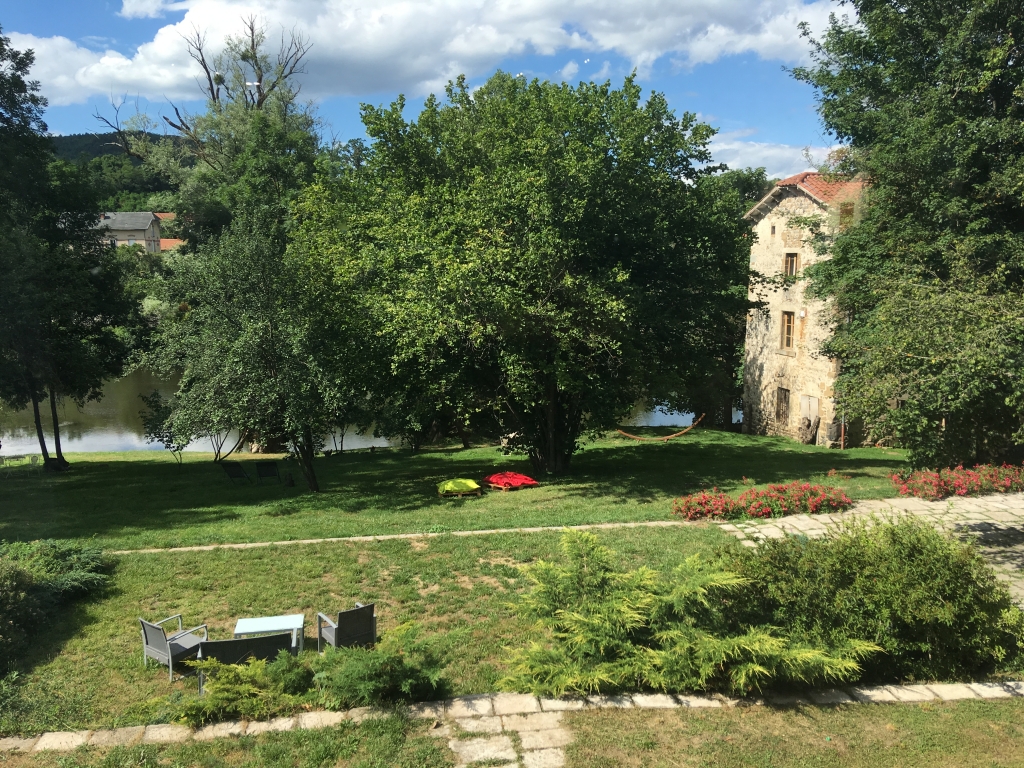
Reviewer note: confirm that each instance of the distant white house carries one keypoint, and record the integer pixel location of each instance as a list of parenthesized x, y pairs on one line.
[(132, 228)]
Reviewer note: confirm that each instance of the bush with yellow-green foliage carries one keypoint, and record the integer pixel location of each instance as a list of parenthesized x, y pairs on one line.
[(602, 630)]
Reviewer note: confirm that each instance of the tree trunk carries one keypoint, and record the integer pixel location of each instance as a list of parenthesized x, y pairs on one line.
[(305, 450), (39, 430), (463, 435), (555, 435), (60, 461)]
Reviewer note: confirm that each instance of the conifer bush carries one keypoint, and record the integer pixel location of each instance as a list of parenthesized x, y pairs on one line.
[(601, 630), (37, 577), (929, 601), (401, 667)]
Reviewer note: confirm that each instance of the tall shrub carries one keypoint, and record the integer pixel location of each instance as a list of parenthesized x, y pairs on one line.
[(928, 600), (601, 630)]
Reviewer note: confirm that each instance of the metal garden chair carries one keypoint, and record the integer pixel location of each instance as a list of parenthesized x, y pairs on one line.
[(235, 471), (169, 649), (355, 627), (268, 470)]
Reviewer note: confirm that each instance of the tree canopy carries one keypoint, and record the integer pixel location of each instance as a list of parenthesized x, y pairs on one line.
[(544, 254), (67, 321), (929, 99)]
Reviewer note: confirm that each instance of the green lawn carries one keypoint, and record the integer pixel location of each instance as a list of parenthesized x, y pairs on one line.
[(86, 671), (379, 743), (143, 499), (947, 735)]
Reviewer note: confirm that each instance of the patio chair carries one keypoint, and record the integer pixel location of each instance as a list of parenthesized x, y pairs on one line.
[(267, 469), (235, 471), (355, 627), (241, 649), (168, 649)]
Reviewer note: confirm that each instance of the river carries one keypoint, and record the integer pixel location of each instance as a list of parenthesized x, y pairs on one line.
[(113, 423)]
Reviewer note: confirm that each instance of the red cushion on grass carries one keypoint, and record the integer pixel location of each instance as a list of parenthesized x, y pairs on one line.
[(510, 480)]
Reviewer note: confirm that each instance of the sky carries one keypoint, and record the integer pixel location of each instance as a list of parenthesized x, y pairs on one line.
[(725, 60)]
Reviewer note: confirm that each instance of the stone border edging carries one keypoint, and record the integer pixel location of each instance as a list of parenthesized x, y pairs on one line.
[(394, 536), (504, 704), (996, 508)]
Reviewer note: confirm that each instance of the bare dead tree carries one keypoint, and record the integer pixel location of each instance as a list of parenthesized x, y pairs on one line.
[(196, 43), (123, 137)]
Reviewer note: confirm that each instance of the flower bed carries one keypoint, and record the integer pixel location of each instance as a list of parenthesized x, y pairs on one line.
[(774, 501), (957, 481)]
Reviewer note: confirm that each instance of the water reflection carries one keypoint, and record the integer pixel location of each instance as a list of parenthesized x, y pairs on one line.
[(113, 423)]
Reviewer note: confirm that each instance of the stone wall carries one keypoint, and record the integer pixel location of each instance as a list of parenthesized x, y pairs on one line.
[(803, 370)]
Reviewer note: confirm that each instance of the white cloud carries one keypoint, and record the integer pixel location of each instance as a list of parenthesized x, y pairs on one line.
[(388, 45), (779, 160), (149, 9), (568, 72)]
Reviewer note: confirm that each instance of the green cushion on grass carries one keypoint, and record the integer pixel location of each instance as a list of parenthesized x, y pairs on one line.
[(458, 485)]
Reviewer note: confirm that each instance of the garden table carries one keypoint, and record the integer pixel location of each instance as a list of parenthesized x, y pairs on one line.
[(294, 623)]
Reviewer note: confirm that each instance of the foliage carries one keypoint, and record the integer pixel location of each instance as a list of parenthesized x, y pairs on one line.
[(711, 504), (23, 143), (67, 320), (602, 630), (543, 255), (928, 600), (929, 327), (64, 569), (156, 418), (36, 578), (126, 184), (255, 350), (401, 667), (983, 478), (794, 498), (249, 691), (19, 611), (255, 144)]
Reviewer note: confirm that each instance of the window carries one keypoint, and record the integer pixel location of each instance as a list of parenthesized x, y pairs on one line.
[(773, 230), (845, 215), (782, 406), (791, 265), (131, 241), (788, 322)]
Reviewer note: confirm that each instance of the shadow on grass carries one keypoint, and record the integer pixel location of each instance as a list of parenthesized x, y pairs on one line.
[(121, 496)]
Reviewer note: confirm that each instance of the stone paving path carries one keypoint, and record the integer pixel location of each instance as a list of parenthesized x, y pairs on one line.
[(995, 522), (503, 730)]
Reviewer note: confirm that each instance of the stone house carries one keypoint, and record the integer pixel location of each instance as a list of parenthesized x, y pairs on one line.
[(787, 382), (130, 228)]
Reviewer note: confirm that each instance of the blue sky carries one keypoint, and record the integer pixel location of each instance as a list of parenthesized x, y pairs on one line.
[(723, 59)]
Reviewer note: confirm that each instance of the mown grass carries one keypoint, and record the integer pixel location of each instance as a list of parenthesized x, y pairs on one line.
[(85, 671), (391, 742), (937, 735), (143, 499)]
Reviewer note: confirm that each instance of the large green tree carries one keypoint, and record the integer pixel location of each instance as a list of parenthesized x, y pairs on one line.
[(548, 254), (67, 322), (929, 99), (254, 331)]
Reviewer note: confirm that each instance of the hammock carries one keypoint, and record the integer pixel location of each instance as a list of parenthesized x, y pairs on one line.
[(664, 439)]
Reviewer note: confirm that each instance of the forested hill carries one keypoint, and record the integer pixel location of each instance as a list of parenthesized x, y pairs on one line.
[(122, 183), (90, 145)]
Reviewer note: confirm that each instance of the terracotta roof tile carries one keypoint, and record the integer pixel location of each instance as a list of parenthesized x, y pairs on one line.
[(165, 216), (166, 243), (816, 185)]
